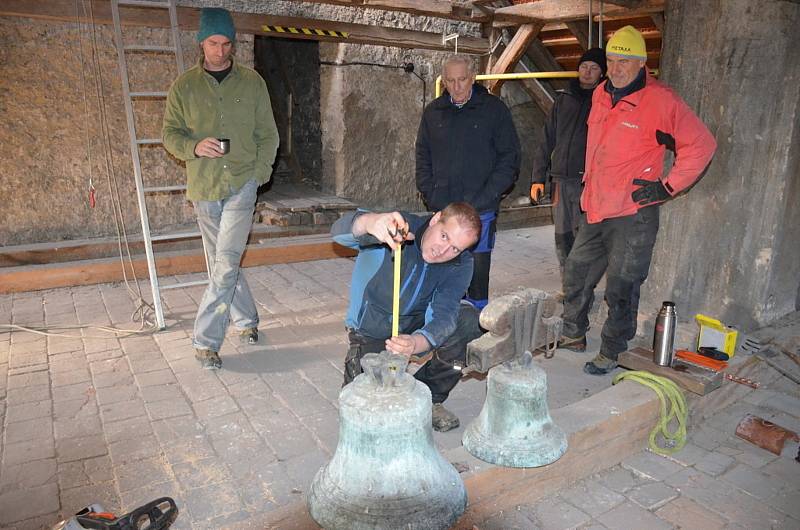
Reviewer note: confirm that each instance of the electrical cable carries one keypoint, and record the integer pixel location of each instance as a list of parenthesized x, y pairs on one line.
[(407, 67), (85, 105), (47, 330), (144, 308), (666, 389)]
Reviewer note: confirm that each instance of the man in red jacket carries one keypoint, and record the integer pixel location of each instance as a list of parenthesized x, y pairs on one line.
[(633, 121)]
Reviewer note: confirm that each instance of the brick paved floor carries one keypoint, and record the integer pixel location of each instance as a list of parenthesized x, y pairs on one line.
[(120, 421), (716, 481)]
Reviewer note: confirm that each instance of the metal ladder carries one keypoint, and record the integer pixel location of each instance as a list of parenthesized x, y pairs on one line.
[(129, 96)]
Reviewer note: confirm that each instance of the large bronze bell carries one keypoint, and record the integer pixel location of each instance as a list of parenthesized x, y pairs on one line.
[(514, 428), (386, 472)]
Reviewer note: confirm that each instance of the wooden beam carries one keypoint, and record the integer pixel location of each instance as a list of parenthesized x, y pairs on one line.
[(630, 4), (536, 91), (508, 60), (566, 10), (428, 8), (188, 20), (581, 32), (544, 61), (602, 430), (658, 20), (533, 87), (285, 250)]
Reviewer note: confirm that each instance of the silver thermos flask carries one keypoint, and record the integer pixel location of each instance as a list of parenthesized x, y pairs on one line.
[(664, 335)]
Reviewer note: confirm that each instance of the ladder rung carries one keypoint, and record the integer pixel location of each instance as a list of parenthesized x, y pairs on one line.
[(183, 284), (161, 189), (149, 141), (143, 3), (148, 48), (148, 94), (176, 235)]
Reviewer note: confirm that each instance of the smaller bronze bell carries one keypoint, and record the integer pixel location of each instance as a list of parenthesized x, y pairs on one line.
[(514, 428)]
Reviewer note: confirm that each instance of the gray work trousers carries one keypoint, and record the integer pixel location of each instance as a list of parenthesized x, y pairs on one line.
[(627, 243), (225, 225)]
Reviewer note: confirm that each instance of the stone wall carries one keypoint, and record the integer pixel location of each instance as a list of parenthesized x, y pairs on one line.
[(729, 248), (62, 121)]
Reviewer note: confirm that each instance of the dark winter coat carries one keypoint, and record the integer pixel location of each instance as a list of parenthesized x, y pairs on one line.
[(467, 154), (562, 153)]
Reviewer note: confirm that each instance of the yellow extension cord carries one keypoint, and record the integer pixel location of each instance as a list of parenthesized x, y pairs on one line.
[(665, 389)]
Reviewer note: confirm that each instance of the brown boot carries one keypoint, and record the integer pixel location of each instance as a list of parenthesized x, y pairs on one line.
[(208, 359), (248, 336), (600, 365), (577, 344), (442, 419)]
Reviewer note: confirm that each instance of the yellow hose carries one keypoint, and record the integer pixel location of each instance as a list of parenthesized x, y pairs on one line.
[(665, 389)]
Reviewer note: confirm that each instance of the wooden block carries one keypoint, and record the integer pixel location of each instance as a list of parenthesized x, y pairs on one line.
[(688, 376)]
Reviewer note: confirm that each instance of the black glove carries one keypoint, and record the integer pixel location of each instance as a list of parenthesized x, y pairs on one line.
[(650, 191)]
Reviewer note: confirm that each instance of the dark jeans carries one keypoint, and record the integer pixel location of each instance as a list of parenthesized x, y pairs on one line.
[(567, 217), (478, 291), (438, 373), (627, 243)]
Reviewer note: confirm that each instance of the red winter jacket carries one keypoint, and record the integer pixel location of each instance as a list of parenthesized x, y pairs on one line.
[(623, 145)]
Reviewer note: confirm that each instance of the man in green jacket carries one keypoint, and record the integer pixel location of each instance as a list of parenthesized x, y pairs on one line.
[(218, 120)]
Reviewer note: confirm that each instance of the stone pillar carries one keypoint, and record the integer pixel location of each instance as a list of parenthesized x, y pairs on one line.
[(730, 248)]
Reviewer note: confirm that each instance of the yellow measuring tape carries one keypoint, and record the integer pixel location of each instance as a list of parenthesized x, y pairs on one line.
[(665, 389), (398, 253)]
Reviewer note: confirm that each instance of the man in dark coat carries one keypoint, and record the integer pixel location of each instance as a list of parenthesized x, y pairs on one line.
[(467, 150), (561, 156)]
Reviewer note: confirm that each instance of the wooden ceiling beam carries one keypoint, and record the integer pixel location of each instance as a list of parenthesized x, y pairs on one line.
[(536, 91), (188, 19), (428, 8), (525, 34), (581, 32), (566, 10), (658, 20)]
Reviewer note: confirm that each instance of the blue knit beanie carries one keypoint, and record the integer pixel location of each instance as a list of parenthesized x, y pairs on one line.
[(215, 21)]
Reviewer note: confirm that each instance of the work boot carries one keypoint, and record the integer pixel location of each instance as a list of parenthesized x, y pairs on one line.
[(577, 344), (600, 365), (442, 419), (208, 359), (248, 335)]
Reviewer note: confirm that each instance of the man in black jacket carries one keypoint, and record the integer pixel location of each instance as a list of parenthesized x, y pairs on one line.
[(562, 154), (467, 150)]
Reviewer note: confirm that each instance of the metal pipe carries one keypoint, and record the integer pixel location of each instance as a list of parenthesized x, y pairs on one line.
[(600, 29), (591, 23), (518, 75)]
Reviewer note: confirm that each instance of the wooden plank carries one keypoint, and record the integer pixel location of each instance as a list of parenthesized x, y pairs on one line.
[(544, 61), (536, 91), (581, 32), (692, 378), (601, 429), (566, 10), (285, 250), (429, 8), (188, 20), (658, 20), (515, 49)]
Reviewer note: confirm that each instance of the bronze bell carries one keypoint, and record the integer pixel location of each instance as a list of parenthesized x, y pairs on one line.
[(386, 472), (514, 428)]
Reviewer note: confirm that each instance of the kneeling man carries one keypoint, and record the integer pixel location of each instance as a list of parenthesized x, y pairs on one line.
[(436, 272)]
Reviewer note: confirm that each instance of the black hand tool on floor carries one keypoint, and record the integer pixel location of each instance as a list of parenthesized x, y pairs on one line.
[(156, 515)]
